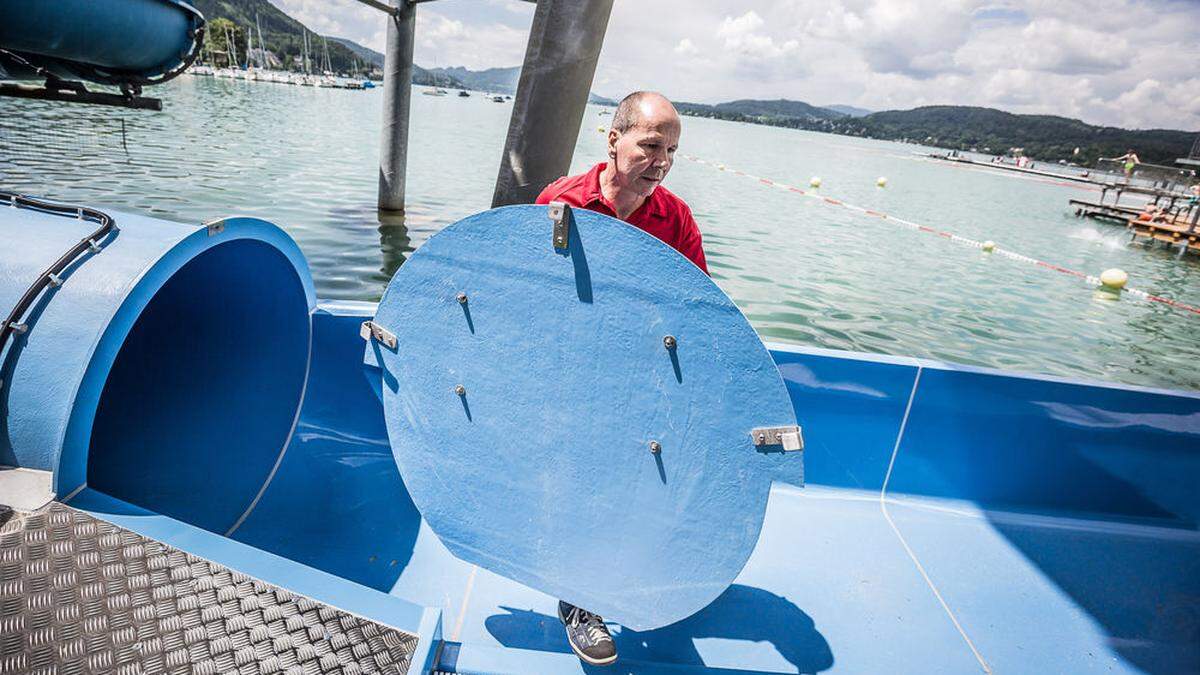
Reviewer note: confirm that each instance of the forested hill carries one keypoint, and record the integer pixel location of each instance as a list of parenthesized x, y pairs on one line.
[(283, 38), (778, 112), (282, 35), (1045, 137)]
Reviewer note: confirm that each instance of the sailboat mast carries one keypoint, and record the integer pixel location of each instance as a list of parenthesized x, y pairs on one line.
[(233, 59), (262, 48)]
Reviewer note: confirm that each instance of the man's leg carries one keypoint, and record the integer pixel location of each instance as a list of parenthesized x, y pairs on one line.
[(589, 637)]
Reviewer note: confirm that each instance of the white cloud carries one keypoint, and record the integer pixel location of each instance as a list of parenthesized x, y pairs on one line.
[(741, 37), (686, 48), (1121, 62)]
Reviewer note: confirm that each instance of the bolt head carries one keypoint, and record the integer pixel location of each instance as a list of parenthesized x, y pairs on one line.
[(460, 390), (655, 447), (670, 342), (462, 298)]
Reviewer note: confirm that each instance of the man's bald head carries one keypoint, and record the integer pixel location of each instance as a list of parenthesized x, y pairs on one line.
[(641, 143), (642, 106)]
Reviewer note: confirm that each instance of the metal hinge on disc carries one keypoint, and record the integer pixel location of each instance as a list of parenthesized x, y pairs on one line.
[(215, 227), (560, 215), (790, 437), (371, 330)]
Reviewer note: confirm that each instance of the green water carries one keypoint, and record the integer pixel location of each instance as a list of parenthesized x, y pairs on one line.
[(802, 271)]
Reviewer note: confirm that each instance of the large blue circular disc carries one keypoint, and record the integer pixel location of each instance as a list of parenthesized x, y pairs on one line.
[(526, 389)]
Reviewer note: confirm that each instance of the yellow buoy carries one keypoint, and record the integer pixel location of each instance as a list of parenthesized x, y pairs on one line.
[(815, 181), (600, 129), (1114, 278), (881, 181), (989, 246), (721, 167)]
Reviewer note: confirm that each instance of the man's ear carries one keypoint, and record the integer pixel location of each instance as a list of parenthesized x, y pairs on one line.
[(613, 136)]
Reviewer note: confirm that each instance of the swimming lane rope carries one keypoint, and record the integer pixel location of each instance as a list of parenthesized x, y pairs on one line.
[(1012, 255)]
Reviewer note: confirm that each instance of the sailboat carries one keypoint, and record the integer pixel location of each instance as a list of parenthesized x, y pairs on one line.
[(229, 71), (437, 89), (248, 73), (327, 79), (304, 79)]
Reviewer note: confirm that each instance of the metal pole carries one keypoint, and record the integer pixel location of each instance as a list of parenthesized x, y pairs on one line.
[(556, 78), (397, 90)]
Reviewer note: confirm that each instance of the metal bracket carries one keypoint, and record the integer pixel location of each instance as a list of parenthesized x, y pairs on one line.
[(215, 227), (560, 215), (371, 330), (790, 437)]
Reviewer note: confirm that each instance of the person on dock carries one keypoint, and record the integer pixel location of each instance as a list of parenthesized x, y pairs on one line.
[(641, 149), (1131, 161), (1152, 213)]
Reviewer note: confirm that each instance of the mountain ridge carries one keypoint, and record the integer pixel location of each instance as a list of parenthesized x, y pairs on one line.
[(987, 130)]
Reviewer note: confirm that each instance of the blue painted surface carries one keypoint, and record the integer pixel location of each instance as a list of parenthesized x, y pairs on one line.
[(1028, 524), (188, 303), (1048, 445), (541, 472), (338, 478), (101, 38), (830, 586), (850, 408)]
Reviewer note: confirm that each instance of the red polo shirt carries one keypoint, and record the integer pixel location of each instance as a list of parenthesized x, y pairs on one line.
[(662, 214)]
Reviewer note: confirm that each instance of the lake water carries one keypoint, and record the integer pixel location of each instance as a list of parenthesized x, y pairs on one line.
[(802, 271)]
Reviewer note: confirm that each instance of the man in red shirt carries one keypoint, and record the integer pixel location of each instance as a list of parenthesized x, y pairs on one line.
[(641, 148)]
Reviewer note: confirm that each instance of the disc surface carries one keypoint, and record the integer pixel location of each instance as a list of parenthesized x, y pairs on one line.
[(525, 391)]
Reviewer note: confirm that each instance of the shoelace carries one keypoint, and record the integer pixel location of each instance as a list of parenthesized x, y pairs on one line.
[(596, 630)]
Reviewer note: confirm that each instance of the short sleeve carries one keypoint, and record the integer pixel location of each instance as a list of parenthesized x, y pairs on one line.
[(691, 244)]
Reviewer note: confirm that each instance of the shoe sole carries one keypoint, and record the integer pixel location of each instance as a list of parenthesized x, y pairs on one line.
[(584, 657)]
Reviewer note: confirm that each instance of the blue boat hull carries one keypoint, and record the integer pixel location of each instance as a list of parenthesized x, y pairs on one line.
[(1052, 522), (105, 41), (955, 519)]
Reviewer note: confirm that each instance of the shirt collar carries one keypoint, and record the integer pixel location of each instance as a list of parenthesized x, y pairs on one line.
[(653, 204)]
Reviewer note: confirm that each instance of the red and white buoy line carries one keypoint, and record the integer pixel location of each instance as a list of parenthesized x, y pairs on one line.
[(1012, 255)]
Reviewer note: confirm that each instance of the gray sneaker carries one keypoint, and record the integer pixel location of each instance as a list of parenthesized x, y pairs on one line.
[(589, 637)]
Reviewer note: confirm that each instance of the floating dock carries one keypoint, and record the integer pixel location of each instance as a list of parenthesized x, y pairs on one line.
[(1086, 208), (1177, 226), (1186, 237), (1010, 167)]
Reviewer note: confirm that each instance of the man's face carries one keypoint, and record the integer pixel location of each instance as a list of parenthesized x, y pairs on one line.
[(644, 153)]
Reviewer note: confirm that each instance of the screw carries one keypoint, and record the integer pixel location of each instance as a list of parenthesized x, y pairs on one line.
[(460, 390), (655, 447), (462, 298), (762, 439), (669, 342)]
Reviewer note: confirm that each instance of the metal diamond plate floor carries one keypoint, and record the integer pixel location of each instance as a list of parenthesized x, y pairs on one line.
[(80, 595)]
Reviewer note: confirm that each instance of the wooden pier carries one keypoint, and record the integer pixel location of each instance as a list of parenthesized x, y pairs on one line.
[(1184, 236), (1009, 167), (1175, 224), (1089, 209)]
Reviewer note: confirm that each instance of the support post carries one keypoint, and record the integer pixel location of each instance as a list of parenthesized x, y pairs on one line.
[(556, 78), (397, 91)]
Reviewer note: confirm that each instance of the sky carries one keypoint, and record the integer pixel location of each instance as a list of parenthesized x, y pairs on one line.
[(1124, 63)]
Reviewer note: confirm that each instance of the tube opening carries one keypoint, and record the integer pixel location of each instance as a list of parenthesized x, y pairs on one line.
[(204, 391)]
